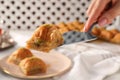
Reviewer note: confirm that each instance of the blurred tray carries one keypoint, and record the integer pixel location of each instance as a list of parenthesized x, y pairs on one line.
[(7, 45), (6, 41)]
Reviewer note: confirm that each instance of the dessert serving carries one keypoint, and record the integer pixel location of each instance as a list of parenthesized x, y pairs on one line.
[(49, 36), (32, 65), (28, 63), (38, 66), (112, 35), (102, 33), (45, 38), (65, 27), (19, 55)]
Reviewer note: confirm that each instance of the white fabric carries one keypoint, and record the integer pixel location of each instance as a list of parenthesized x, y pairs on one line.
[(94, 64)]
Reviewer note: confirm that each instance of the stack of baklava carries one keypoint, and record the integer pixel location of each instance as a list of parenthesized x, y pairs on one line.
[(112, 35)]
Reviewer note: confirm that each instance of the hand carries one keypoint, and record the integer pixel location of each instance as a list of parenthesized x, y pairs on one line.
[(97, 12)]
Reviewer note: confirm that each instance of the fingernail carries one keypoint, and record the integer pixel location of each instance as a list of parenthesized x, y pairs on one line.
[(103, 22)]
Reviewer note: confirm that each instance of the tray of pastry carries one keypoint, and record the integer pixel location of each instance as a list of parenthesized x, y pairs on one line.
[(6, 41), (28, 64), (108, 35)]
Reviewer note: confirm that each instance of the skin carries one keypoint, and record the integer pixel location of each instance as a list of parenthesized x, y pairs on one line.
[(97, 12)]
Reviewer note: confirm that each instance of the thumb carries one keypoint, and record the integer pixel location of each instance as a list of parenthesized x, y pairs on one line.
[(108, 16)]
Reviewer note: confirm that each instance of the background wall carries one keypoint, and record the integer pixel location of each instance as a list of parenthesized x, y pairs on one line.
[(29, 14)]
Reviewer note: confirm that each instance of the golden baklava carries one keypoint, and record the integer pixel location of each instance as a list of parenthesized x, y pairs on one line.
[(79, 25), (96, 31), (62, 27), (116, 39), (45, 38), (19, 55), (106, 35), (32, 65), (114, 31)]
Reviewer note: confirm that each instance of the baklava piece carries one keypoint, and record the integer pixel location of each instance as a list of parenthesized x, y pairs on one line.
[(101, 28), (19, 55), (106, 35), (45, 38), (71, 27), (96, 31), (32, 65), (116, 39), (114, 31), (62, 27), (78, 25)]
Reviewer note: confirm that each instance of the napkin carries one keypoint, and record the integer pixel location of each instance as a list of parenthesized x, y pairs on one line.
[(100, 63), (94, 64)]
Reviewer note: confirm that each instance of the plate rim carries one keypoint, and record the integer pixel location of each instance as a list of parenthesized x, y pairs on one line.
[(41, 77)]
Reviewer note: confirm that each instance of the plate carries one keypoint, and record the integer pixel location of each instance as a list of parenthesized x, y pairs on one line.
[(57, 64)]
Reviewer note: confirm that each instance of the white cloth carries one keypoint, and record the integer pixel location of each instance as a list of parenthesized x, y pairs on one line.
[(94, 64)]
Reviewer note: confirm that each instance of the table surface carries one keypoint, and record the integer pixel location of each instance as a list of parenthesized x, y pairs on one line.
[(22, 36)]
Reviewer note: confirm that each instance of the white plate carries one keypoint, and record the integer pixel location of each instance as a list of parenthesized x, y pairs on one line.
[(57, 64)]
